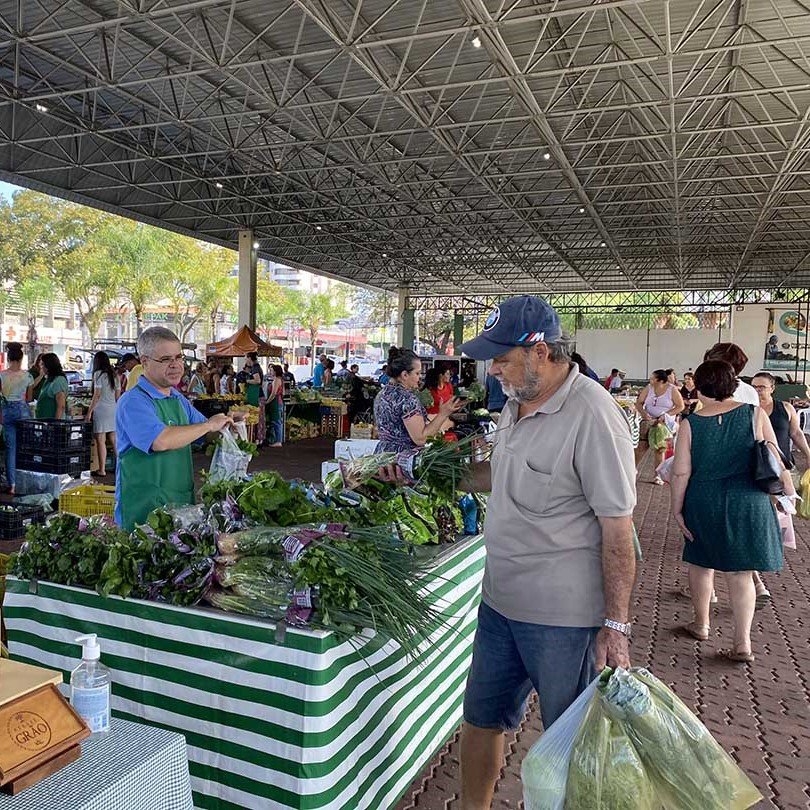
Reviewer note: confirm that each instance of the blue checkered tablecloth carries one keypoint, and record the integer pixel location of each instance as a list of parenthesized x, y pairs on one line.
[(134, 767)]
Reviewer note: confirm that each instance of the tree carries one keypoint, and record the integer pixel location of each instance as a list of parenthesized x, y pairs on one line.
[(139, 252), (274, 305), (314, 311), (88, 275), (34, 292)]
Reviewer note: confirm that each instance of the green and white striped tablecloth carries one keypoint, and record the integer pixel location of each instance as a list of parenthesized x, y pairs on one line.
[(304, 724)]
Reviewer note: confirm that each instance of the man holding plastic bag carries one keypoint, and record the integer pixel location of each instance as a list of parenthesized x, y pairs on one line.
[(156, 427), (559, 536)]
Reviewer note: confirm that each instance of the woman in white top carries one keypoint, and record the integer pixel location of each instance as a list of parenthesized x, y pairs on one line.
[(227, 381), (106, 390), (659, 403)]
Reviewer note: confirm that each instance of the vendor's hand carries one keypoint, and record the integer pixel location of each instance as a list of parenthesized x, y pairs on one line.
[(392, 474), (451, 406), (219, 421), (682, 524), (612, 649)]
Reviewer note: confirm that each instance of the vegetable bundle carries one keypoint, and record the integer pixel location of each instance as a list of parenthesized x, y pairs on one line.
[(330, 576), (439, 465)]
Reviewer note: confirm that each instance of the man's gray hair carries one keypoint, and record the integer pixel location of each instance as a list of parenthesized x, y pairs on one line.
[(559, 351), (150, 338)]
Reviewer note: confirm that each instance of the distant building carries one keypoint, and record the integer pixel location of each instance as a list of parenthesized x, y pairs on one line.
[(294, 279)]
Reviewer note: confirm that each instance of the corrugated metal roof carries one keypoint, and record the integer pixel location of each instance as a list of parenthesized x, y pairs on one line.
[(650, 144)]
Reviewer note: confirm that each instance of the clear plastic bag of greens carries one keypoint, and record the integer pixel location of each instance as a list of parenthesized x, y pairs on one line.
[(545, 768), (686, 765), (605, 771), (230, 462)]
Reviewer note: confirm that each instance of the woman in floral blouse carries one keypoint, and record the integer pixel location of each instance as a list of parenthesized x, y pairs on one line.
[(399, 415)]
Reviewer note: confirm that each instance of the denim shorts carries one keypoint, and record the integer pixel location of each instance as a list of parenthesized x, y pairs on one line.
[(510, 658)]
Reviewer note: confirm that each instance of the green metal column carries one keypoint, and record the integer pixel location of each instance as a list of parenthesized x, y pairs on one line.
[(408, 328)]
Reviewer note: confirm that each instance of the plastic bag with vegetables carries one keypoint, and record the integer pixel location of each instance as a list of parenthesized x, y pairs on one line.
[(686, 765), (545, 769), (605, 771), (230, 462), (658, 436)]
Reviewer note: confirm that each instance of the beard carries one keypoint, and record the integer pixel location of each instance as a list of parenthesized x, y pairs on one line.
[(527, 391)]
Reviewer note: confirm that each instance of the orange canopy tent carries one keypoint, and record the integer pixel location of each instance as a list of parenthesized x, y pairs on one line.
[(240, 344)]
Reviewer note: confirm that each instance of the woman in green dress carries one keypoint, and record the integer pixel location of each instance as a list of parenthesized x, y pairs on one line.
[(53, 392), (729, 524)]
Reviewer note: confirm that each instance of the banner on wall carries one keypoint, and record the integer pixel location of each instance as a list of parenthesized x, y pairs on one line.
[(787, 341)]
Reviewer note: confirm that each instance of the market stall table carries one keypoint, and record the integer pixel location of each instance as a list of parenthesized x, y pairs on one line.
[(297, 719), (134, 767)]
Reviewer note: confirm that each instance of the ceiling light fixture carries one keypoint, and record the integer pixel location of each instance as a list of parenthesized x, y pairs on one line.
[(476, 42), (385, 255), (604, 244), (318, 228), (581, 210), (546, 155), (255, 245), (41, 108), (219, 185)]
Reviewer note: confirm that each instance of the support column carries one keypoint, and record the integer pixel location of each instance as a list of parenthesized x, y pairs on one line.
[(458, 331), (247, 280), (405, 319)]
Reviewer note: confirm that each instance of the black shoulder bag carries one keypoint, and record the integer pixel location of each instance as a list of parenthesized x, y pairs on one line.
[(764, 465)]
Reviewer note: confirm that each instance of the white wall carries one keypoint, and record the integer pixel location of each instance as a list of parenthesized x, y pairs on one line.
[(639, 353)]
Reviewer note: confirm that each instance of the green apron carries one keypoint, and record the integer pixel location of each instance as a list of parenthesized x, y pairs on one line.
[(150, 480), (252, 393)]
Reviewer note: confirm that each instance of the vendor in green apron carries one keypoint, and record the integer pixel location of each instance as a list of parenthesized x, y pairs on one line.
[(156, 426), (253, 379)]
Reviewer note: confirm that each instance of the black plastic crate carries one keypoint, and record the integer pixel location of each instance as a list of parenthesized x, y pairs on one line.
[(70, 462), (14, 520), (211, 407), (39, 435)]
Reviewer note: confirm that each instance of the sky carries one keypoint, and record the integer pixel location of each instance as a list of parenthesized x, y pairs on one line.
[(6, 190)]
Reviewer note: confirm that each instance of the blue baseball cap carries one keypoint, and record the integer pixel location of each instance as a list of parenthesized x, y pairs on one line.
[(521, 321)]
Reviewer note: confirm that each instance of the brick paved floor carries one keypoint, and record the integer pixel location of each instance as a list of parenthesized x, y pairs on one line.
[(758, 712)]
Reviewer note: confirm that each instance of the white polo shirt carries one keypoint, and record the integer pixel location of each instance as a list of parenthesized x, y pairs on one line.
[(554, 473)]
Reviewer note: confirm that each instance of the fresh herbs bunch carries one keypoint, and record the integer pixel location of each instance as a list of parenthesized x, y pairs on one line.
[(67, 550)]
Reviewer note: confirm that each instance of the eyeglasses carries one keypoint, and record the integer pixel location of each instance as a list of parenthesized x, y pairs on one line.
[(176, 359)]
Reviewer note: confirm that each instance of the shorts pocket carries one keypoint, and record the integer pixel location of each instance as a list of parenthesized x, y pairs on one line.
[(532, 490)]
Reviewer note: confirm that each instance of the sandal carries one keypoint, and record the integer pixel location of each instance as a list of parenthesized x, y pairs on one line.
[(738, 656), (763, 599), (699, 632)]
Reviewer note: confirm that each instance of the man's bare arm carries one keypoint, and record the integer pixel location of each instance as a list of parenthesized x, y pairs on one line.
[(619, 575)]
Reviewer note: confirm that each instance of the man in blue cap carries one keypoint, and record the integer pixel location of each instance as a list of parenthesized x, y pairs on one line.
[(560, 558)]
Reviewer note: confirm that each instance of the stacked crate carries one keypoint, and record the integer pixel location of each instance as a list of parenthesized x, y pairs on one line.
[(56, 446)]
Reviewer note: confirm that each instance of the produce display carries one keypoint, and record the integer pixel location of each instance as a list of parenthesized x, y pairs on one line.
[(298, 429), (340, 560), (251, 448)]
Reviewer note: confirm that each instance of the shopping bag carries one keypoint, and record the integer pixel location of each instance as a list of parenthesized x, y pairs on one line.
[(664, 469), (803, 506), (786, 526), (545, 768), (605, 771), (686, 766), (230, 462), (658, 436)]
